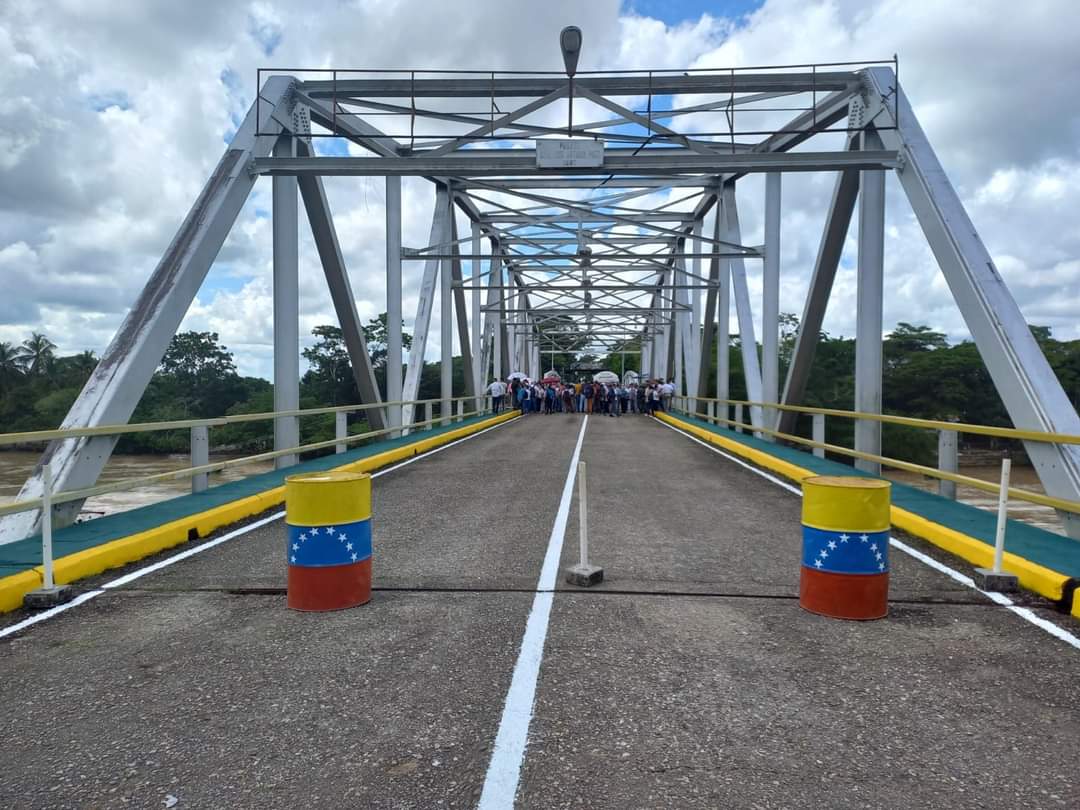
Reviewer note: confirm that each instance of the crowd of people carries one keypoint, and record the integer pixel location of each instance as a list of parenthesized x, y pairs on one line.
[(587, 396)]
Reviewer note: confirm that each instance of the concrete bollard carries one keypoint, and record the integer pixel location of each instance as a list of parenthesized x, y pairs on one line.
[(845, 562), (328, 529)]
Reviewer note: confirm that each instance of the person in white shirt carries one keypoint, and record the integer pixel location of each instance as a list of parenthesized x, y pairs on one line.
[(497, 390), (667, 391)]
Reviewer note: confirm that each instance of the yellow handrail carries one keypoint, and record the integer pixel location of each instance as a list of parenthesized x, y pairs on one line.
[(910, 421), (932, 472), (191, 472), (148, 427)]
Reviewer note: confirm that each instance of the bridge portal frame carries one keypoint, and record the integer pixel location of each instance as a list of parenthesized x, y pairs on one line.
[(616, 271)]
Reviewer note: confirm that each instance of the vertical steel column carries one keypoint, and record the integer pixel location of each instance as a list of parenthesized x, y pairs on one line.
[(446, 322), (723, 316), (286, 309), (693, 363), (817, 428), (869, 315), (478, 370), (770, 300), (495, 279), (393, 299), (678, 318)]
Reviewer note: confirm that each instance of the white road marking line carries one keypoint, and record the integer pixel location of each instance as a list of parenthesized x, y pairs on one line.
[(508, 754), (999, 598), (190, 552)]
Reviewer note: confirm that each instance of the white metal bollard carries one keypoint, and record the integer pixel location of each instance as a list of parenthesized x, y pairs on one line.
[(583, 515), (583, 573), (1003, 514), (46, 524)]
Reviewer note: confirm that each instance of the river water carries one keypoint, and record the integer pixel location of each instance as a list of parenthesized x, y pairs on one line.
[(14, 467), (1020, 478)]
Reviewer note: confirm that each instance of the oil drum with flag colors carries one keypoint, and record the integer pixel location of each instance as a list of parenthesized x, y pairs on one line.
[(328, 528), (845, 549)]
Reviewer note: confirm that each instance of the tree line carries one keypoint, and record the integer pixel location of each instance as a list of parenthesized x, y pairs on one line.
[(924, 376)]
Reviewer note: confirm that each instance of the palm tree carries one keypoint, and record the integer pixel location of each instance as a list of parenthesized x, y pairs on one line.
[(84, 363), (10, 364), (36, 353)]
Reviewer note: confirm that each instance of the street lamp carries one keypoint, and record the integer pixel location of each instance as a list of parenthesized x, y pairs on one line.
[(570, 42)]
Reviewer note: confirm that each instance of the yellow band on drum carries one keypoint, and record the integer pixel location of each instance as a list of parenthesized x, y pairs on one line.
[(846, 503), (327, 498)]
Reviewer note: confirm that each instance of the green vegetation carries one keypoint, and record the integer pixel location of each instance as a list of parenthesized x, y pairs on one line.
[(925, 376)]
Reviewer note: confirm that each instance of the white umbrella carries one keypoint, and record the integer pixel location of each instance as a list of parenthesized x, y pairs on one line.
[(606, 377), (517, 375)]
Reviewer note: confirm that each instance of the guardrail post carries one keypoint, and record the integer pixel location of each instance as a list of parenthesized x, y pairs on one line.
[(738, 417), (817, 427), (341, 430), (46, 526), (200, 456), (461, 410), (49, 595), (711, 411), (948, 461)]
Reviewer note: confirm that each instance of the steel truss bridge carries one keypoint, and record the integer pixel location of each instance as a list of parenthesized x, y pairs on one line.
[(595, 212)]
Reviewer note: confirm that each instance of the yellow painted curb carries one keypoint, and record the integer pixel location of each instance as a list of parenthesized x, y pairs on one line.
[(1043, 581), (1076, 603), (135, 547), (1034, 577), (14, 587)]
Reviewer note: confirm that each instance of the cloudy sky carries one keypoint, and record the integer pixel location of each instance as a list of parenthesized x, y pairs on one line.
[(113, 112)]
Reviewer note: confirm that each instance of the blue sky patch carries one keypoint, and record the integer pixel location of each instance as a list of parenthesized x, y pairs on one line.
[(674, 12), (114, 98)]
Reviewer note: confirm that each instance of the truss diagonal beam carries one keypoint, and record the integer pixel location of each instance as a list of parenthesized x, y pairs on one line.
[(113, 390), (337, 279)]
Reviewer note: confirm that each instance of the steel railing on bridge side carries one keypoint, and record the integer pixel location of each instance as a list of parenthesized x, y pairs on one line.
[(710, 409), (200, 468)]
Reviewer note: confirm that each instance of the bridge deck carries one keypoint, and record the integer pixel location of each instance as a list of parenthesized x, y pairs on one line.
[(690, 678)]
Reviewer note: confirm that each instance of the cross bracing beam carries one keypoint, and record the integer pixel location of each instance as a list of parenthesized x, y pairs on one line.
[(653, 83), (746, 253), (494, 162)]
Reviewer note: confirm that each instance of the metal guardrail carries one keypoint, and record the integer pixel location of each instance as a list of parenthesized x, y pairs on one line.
[(820, 446), (196, 471)]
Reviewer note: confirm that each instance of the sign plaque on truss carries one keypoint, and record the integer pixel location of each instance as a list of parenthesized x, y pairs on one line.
[(569, 154)]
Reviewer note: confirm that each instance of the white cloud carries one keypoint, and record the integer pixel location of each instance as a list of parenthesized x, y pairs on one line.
[(113, 114)]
